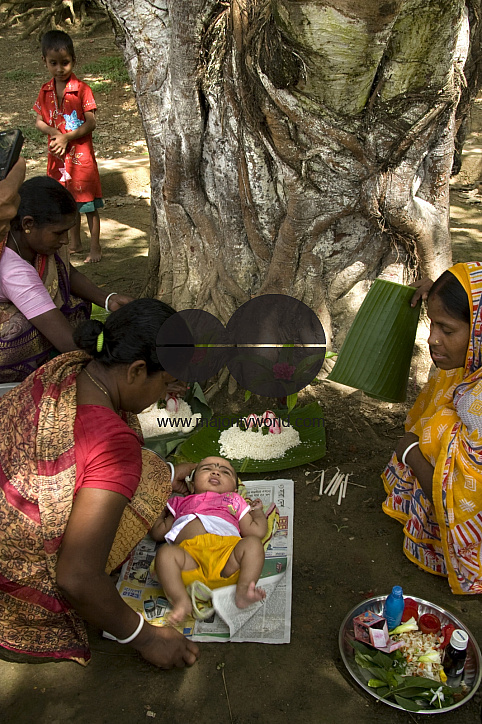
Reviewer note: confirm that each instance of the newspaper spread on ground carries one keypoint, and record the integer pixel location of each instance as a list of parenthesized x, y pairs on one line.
[(268, 621)]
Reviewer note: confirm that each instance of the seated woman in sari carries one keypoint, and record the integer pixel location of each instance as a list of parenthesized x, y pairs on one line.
[(42, 296), (434, 479), (77, 493)]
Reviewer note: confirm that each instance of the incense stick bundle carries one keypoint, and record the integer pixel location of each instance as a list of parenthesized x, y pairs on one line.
[(340, 490), (322, 480), (345, 485), (332, 481), (336, 484)]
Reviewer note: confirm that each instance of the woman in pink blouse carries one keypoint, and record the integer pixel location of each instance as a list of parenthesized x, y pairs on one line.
[(42, 296)]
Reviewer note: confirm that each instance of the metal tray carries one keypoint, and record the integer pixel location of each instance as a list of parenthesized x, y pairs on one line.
[(473, 665)]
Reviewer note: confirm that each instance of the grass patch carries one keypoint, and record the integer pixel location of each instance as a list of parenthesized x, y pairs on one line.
[(109, 68), (33, 134), (20, 75), (100, 86), (34, 142)]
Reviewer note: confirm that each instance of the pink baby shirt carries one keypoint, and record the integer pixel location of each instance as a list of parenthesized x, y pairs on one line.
[(220, 513)]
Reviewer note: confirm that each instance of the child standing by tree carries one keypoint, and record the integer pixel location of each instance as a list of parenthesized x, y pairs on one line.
[(66, 114)]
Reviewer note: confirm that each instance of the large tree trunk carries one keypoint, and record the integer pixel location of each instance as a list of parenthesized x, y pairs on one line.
[(301, 147)]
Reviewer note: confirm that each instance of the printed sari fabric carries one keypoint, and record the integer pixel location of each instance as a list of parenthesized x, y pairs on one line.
[(22, 347), (445, 537), (37, 482)]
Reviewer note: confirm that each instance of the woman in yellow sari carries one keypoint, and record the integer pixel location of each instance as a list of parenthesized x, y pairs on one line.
[(434, 478)]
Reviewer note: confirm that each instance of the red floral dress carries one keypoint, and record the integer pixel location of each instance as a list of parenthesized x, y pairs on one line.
[(77, 170)]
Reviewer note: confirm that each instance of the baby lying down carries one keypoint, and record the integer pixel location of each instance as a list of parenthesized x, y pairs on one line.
[(214, 536)]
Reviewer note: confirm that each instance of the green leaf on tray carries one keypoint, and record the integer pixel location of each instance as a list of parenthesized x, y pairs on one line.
[(307, 420), (413, 693), (291, 401), (197, 402), (163, 445), (408, 704)]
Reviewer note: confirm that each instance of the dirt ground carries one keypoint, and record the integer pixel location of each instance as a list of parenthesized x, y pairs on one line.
[(342, 554)]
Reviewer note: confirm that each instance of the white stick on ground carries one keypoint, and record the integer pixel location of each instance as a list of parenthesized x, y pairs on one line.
[(340, 491), (328, 487), (331, 484), (345, 485), (336, 484), (322, 480)]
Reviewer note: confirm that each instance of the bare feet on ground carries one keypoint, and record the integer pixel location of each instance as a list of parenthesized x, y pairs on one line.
[(165, 647), (246, 596), (75, 248), (94, 255)]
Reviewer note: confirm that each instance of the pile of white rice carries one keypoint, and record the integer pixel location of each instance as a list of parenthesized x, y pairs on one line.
[(238, 444), (151, 427)]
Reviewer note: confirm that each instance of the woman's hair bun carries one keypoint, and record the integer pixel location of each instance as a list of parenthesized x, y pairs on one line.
[(131, 333), (86, 334)]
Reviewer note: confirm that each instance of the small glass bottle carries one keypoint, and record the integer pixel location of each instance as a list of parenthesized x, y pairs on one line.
[(455, 655), (393, 608)]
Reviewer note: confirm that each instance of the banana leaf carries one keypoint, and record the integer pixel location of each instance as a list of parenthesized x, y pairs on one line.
[(307, 420), (376, 354), (99, 313)]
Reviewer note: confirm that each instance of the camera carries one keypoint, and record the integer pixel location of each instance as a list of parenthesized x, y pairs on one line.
[(10, 146)]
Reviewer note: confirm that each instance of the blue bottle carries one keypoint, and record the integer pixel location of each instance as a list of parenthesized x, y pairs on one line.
[(393, 608)]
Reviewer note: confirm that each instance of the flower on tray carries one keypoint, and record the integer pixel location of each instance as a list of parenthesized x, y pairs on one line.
[(176, 417), (283, 371), (274, 423), (172, 403)]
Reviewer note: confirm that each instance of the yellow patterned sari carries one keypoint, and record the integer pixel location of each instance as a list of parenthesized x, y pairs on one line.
[(445, 537), (37, 482)]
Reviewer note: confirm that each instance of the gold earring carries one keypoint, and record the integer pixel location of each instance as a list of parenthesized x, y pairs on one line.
[(27, 231)]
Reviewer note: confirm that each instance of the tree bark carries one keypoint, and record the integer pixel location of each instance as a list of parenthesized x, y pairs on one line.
[(300, 147)]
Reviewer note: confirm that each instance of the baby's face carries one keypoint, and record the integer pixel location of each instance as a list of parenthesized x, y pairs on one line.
[(215, 475)]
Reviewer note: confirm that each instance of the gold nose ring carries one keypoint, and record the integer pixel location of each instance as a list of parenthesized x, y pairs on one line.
[(437, 341)]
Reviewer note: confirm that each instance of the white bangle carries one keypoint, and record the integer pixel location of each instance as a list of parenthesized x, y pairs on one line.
[(136, 632), (406, 451), (106, 303), (172, 470)]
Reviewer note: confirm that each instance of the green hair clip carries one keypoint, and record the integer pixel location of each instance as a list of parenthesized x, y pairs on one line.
[(100, 341)]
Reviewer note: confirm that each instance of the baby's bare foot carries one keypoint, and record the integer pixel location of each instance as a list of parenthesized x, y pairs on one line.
[(245, 596), (180, 611)]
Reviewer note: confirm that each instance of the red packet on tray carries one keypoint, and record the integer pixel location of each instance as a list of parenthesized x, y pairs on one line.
[(372, 629)]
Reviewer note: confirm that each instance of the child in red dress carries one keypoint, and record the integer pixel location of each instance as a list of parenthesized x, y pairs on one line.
[(65, 110)]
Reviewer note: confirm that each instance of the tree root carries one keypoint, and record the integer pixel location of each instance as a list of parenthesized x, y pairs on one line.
[(218, 385), (51, 15)]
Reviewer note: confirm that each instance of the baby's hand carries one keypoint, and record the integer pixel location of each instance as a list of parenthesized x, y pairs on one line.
[(256, 504), (181, 471)]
